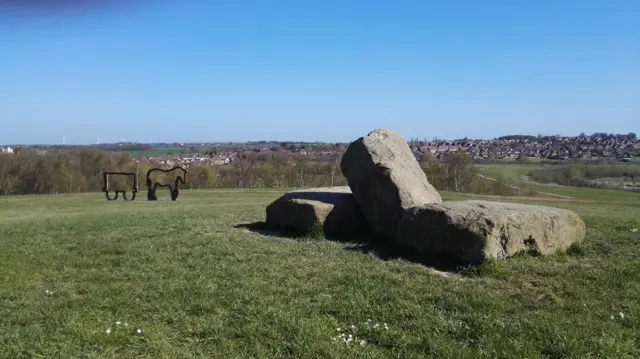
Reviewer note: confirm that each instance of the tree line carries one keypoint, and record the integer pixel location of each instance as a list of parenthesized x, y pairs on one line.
[(80, 170)]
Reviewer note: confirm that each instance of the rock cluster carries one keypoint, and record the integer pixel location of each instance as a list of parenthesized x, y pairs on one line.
[(390, 199)]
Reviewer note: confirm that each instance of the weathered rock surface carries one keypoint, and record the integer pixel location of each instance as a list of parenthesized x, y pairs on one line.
[(385, 179), (473, 231), (334, 208)]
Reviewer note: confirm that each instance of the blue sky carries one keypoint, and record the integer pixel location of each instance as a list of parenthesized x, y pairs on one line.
[(188, 71)]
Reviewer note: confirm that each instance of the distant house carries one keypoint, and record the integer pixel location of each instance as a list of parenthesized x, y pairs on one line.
[(6, 150)]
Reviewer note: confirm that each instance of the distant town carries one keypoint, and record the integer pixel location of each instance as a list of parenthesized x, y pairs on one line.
[(598, 146)]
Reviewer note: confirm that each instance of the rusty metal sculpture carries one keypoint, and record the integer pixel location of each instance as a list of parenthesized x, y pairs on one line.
[(152, 187), (105, 188)]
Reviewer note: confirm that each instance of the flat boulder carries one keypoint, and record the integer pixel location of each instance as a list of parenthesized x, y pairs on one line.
[(471, 232), (332, 208), (385, 179)]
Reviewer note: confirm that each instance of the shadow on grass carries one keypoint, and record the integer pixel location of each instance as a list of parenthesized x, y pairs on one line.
[(364, 244), (313, 233)]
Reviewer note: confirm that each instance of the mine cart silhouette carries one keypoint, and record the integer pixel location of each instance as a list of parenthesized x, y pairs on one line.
[(105, 186)]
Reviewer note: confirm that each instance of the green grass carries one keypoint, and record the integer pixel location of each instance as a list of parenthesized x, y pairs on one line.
[(511, 172), (198, 287), (513, 175)]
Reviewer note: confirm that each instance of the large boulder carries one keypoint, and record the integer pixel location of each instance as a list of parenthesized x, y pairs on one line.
[(385, 179), (332, 208), (472, 231)]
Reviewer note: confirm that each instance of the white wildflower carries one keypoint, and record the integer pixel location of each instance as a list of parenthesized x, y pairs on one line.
[(346, 338), (139, 331), (634, 230), (621, 315), (108, 331), (118, 323), (612, 317)]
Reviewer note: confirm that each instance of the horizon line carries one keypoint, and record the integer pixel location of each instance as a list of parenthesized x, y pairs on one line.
[(418, 138)]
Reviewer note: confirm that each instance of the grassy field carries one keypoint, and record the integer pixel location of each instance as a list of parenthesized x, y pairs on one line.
[(199, 285), (159, 151), (513, 174)]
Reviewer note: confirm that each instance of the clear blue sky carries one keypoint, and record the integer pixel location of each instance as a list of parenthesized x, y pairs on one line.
[(323, 70)]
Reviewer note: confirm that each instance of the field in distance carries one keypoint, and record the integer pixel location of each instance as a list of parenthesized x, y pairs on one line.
[(518, 175), (80, 277)]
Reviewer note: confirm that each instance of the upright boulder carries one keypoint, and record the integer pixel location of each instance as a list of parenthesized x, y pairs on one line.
[(472, 231), (385, 179), (334, 209)]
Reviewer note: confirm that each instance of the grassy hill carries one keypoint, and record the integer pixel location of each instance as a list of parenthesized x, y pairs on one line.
[(158, 151), (199, 285), (515, 174)]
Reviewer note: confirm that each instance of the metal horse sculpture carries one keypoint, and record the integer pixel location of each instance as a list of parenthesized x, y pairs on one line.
[(105, 188), (151, 188)]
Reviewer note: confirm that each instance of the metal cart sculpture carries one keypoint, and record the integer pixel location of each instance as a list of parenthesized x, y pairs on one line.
[(105, 187)]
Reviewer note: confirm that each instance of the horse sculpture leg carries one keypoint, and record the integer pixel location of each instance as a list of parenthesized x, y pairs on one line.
[(151, 194)]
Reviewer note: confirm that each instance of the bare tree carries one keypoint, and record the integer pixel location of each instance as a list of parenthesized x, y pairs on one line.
[(460, 171), (339, 152), (242, 166)]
